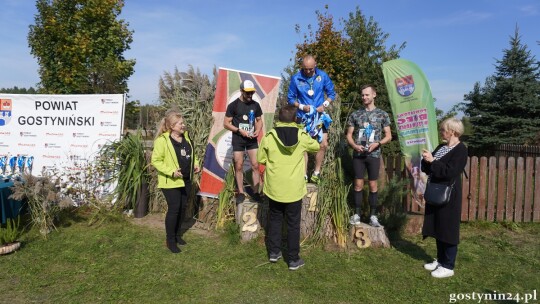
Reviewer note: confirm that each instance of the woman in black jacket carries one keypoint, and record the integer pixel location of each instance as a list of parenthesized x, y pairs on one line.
[(444, 166)]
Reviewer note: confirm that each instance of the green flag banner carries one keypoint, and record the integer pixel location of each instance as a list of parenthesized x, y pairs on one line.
[(414, 115)]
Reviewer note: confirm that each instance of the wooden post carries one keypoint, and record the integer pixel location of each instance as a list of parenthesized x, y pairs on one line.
[(529, 178), (309, 212), (251, 216), (364, 235)]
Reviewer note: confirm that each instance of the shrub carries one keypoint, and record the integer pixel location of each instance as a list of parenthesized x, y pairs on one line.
[(11, 232)]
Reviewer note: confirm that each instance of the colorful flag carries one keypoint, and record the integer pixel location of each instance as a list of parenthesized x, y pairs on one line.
[(218, 156), (414, 115)]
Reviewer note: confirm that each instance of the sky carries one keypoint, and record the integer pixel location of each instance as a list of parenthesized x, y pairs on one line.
[(456, 43)]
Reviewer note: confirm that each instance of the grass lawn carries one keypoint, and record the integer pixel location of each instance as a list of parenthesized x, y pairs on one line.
[(121, 262)]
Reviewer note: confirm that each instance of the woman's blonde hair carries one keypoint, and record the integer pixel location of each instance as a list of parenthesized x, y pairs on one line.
[(453, 124), (167, 122)]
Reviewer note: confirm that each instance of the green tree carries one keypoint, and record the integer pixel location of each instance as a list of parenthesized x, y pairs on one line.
[(331, 48), (132, 114), (79, 45), (17, 90), (507, 107), (369, 47)]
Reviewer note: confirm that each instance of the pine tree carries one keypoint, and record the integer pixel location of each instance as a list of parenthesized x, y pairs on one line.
[(506, 109)]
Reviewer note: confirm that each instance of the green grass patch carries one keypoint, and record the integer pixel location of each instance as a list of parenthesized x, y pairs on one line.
[(120, 262)]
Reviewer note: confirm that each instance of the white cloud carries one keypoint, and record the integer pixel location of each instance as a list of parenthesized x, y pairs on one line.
[(529, 10), (462, 18)]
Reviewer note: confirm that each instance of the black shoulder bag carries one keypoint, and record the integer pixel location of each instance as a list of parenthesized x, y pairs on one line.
[(438, 194)]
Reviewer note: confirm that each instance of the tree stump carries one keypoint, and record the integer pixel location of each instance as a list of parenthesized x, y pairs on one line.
[(207, 214), (414, 224), (364, 235), (251, 217), (309, 212)]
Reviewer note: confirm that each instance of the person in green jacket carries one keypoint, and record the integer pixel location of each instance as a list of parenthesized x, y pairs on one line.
[(175, 162), (282, 152)]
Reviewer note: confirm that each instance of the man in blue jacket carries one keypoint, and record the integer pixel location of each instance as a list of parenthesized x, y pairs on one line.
[(307, 91)]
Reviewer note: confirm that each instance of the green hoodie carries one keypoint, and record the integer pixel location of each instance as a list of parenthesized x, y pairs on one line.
[(165, 161), (285, 166)]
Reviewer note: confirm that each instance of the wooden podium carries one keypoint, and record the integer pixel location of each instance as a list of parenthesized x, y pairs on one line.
[(364, 236), (252, 218)]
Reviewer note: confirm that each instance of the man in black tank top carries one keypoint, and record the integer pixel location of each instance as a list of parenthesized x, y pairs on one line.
[(243, 118)]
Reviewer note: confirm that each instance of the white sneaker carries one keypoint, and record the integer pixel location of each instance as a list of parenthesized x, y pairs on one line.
[(374, 221), (355, 220), (442, 272), (431, 266)]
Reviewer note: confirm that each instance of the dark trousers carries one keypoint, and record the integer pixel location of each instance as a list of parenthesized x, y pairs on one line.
[(446, 254), (292, 213), (176, 209)]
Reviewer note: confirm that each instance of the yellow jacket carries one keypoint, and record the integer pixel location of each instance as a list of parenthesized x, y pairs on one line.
[(165, 161), (285, 166)]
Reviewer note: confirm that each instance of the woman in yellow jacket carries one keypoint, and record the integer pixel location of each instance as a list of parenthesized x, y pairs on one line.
[(175, 161)]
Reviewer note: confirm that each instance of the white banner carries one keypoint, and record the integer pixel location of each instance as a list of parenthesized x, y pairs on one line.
[(57, 132)]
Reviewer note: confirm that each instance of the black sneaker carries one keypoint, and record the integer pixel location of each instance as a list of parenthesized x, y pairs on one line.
[(294, 265), (172, 247), (180, 241), (240, 198), (256, 197), (274, 257)]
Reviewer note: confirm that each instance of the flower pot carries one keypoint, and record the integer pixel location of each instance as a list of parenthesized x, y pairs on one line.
[(143, 199), (9, 248)]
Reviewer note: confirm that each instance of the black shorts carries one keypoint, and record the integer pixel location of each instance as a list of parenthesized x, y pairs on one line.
[(243, 145), (361, 163)]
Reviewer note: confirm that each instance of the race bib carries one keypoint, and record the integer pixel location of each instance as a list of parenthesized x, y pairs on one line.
[(244, 126)]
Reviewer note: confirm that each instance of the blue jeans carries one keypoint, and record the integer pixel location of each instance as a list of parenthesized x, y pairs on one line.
[(446, 254)]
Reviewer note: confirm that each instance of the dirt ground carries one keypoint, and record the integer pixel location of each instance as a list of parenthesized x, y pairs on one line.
[(152, 220), (157, 221)]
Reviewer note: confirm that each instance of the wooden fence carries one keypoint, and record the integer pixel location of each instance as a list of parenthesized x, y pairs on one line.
[(507, 150), (517, 150), (497, 188)]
